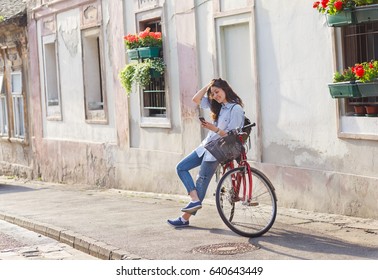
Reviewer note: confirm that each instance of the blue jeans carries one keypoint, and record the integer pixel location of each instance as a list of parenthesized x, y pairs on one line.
[(206, 172)]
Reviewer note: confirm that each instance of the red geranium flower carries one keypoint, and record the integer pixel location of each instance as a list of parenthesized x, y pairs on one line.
[(316, 4), (359, 70), (325, 3), (338, 5)]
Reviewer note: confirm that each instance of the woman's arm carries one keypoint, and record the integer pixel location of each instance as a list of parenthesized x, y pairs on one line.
[(198, 96)]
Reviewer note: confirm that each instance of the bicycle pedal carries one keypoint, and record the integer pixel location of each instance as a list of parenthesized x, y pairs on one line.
[(251, 203)]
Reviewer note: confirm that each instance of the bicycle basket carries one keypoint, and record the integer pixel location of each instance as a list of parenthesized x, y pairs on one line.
[(226, 148)]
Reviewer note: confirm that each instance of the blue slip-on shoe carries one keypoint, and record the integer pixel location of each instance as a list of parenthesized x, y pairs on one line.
[(192, 207), (178, 222)]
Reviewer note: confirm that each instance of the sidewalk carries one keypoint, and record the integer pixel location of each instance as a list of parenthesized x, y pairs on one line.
[(118, 224)]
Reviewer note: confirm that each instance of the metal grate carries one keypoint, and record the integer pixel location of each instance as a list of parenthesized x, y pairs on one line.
[(154, 102), (360, 43), (154, 95)]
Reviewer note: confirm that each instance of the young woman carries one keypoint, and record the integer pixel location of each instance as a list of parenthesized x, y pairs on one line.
[(227, 113)]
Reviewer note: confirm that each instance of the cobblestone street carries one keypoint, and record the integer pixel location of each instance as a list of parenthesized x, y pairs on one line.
[(17, 243)]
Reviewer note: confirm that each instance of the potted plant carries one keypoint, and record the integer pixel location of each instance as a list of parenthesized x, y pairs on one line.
[(371, 110), (150, 43), (147, 70), (360, 80), (344, 85), (366, 11), (141, 73), (146, 44), (338, 12), (346, 12), (367, 74), (132, 43), (126, 77)]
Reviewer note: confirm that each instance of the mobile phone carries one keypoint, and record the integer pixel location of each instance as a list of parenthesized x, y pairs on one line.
[(202, 119)]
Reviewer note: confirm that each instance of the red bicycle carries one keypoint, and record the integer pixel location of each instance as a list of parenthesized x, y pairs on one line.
[(245, 198)]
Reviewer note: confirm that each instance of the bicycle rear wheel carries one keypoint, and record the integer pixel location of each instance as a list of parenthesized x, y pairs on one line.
[(249, 218)]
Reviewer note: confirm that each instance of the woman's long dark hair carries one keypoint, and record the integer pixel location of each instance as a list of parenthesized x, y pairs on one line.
[(231, 96)]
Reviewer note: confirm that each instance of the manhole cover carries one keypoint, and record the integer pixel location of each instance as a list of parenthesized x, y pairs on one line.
[(225, 248)]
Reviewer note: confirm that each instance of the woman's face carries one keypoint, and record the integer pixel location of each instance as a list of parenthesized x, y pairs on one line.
[(218, 94)]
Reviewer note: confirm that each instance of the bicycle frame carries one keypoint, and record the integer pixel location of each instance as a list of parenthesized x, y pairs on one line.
[(236, 182), (244, 216)]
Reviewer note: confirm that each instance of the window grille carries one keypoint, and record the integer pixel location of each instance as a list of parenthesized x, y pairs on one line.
[(360, 43), (154, 98), (154, 95)]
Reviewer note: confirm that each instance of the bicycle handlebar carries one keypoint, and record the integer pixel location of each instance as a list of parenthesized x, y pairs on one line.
[(248, 126), (241, 130)]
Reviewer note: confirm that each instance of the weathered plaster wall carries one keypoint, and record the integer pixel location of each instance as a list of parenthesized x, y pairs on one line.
[(155, 151), (73, 162), (312, 168), (72, 150), (15, 154)]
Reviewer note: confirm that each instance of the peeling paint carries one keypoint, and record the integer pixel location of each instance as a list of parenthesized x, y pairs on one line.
[(68, 29)]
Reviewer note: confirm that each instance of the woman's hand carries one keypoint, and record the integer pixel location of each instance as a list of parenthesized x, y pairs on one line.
[(209, 126), (198, 96)]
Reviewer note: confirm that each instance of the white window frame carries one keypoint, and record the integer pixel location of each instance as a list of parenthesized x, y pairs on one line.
[(3, 109), (51, 78), (93, 74), (18, 106), (351, 127), (146, 120)]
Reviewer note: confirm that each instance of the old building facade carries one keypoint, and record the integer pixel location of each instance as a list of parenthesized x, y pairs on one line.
[(15, 152), (279, 57)]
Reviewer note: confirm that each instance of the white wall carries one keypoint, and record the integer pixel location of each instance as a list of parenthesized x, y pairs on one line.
[(310, 165), (296, 64)]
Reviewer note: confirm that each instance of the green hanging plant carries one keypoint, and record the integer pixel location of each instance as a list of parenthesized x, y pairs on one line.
[(141, 73), (144, 70), (126, 77)]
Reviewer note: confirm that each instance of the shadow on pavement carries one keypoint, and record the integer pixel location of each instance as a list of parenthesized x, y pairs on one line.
[(211, 230), (286, 241), (14, 189)]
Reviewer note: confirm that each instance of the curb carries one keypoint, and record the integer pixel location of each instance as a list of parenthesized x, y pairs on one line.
[(78, 241)]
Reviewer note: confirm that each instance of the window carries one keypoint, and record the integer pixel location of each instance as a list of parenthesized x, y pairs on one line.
[(154, 95), (3, 108), (51, 78), (18, 105), (360, 43), (93, 75)]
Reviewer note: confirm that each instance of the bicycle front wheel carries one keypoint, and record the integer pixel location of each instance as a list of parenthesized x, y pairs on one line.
[(247, 215)]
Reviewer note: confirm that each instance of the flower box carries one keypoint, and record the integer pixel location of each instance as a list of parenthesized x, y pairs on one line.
[(344, 90), (148, 52), (366, 14), (155, 74), (343, 18), (133, 54), (368, 89)]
